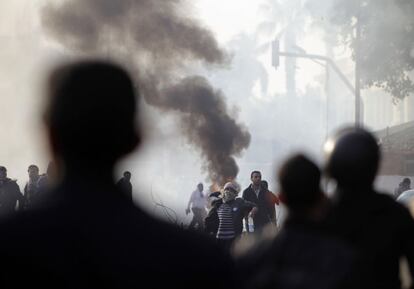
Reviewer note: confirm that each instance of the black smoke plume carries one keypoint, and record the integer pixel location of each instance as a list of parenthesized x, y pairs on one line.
[(161, 42)]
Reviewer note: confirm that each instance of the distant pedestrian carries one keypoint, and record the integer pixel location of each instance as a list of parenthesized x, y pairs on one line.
[(11, 199), (264, 200), (31, 189), (272, 199), (198, 203), (125, 186)]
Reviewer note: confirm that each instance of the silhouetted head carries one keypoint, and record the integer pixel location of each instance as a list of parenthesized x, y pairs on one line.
[(256, 178), (264, 185), (3, 173), (353, 157), (127, 175), (406, 182), (33, 171), (200, 187), (90, 114), (299, 180)]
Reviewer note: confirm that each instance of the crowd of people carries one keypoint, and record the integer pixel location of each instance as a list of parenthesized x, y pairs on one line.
[(227, 212), (88, 233), (12, 199)]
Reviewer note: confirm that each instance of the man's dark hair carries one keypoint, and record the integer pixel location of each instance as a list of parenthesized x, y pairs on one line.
[(3, 169), (91, 112), (406, 181), (255, 172), (299, 179), (127, 173), (264, 184), (33, 167)]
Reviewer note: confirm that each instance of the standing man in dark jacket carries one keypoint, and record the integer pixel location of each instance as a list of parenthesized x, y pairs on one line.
[(380, 230), (125, 186), (31, 189), (264, 200), (10, 194)]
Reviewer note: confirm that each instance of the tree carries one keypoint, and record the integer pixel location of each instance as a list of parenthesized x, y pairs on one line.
[(386, 41)]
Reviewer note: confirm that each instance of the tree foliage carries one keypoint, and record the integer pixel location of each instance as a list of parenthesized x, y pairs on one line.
[(386, 45)]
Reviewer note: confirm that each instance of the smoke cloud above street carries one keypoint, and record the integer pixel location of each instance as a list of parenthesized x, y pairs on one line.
[(160, 43)]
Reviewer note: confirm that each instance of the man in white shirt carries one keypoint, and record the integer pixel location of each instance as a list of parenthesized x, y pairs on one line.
[(198, 204)]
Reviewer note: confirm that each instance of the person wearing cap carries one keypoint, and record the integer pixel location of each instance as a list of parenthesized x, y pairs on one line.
[(225, 218), (10, 194), (198, 204)]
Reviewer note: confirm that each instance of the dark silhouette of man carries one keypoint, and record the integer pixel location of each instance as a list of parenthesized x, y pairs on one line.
[(125, 186), (379, 229), (31, 189), (302, 256), (86, 234), (265, 201), (10, 195)]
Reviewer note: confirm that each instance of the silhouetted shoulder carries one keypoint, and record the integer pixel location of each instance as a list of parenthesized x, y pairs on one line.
[(385, 201), (115, 242), (298, 258)]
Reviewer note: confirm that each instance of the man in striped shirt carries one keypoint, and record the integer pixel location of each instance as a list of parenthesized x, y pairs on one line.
[(225, 219)]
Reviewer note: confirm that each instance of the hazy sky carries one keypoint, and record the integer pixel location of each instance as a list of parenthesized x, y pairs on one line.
[(167, 166)]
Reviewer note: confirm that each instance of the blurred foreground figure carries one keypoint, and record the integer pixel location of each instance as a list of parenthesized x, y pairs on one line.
[(10, 195), (87, 235), (302, 256), (380, 229)]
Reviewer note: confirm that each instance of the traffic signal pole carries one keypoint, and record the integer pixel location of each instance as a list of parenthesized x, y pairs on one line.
[(354, 90)]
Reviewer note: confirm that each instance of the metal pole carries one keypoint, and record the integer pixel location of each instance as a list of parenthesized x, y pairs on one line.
[(357, 74), (327, 88), (326, 59), (356, 91)]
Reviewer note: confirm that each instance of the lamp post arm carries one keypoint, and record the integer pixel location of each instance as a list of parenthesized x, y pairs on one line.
[(328, 60)]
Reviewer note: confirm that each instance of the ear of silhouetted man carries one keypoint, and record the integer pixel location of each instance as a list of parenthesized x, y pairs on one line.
[(91, 114)]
